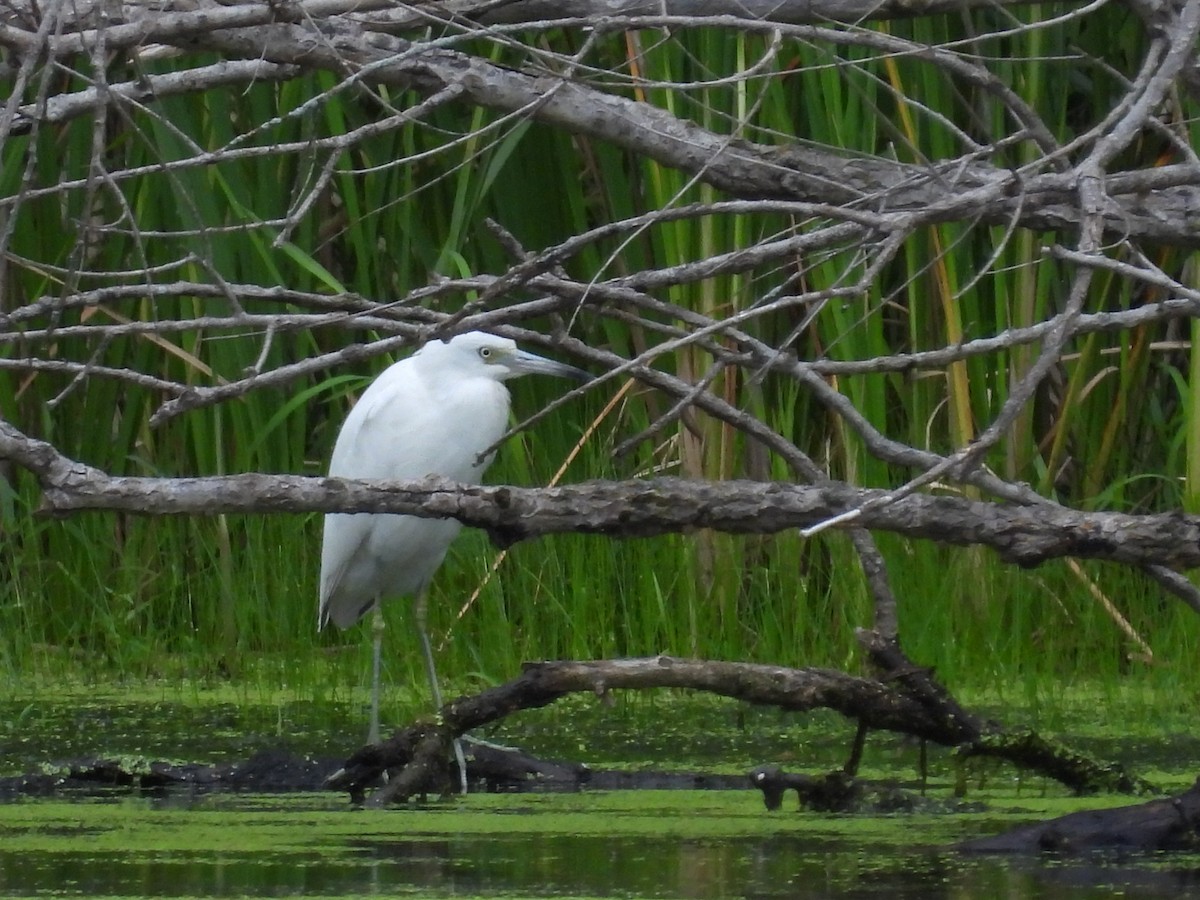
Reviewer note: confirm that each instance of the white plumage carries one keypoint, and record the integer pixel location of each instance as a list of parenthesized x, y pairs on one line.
[(411, 422), (433, 413)]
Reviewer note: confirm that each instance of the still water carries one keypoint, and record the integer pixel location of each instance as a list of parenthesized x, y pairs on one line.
[(702, 844), (235, 847)]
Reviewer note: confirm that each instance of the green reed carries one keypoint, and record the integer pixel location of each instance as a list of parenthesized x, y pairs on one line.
[(103, 595)]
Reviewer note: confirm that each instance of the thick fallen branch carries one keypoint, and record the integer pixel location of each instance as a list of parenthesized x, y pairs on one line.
[(1171, 823), (1023, 535), (267, 771), (838, 792), (419, 754)]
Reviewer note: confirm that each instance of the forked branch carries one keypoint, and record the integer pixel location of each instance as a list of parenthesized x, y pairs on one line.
[(880, 704)]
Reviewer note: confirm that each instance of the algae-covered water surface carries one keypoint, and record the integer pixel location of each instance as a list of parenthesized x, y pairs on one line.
[(588, 843), (628, 843)]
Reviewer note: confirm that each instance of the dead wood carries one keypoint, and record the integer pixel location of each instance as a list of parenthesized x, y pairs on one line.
[(278, 770), (1171, 823), (839, 792), (1025, 535), (418, 756), (270, 770), (833, 792)]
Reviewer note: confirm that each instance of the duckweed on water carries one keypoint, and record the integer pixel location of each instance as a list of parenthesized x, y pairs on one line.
[(678, 843), (183, 723), (646, 843)]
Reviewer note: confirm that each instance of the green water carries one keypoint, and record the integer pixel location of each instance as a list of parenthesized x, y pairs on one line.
[(652, 844), (590, 843)]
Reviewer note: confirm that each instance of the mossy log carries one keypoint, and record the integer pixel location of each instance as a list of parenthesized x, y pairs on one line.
[(417, 756), (1166, 824)]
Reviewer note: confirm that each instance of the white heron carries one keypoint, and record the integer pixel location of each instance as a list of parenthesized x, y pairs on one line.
[(434, 413)]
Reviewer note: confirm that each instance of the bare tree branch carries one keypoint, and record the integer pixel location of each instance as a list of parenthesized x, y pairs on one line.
[(1023, 535), (943, 192)]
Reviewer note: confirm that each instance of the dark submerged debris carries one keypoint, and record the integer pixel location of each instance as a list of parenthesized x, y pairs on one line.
[(838, 792), (1171, 823), (489, 768), (267, 771)]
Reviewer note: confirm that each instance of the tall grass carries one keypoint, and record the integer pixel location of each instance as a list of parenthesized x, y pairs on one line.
[(100, 596)]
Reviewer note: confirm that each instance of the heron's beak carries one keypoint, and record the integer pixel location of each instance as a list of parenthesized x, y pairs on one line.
[(522, 363)]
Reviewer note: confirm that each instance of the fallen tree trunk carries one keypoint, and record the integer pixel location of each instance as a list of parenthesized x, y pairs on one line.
[(418, 756), (1171, 823)]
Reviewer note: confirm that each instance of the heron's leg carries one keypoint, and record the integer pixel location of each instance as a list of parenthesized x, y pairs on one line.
[(376, 670), (421, 613)]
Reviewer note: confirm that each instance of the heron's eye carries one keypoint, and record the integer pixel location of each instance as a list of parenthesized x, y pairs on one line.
[(485, 353)]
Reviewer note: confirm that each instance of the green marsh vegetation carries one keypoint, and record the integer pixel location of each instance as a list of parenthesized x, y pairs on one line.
[(149, 243)]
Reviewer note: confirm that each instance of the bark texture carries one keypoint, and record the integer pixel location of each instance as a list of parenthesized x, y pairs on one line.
[(419, 756)]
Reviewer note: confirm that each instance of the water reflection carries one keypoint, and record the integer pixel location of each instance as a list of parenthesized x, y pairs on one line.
[(68, 854), (543, 866)]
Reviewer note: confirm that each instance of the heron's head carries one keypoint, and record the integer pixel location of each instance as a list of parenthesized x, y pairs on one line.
[(493, 357)]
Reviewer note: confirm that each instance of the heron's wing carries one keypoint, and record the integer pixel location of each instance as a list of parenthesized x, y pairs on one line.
[(365, 448), (366, 557), (344, 543)]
